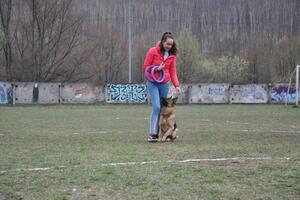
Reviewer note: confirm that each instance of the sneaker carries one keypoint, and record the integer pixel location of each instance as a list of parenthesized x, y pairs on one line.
[(152, 138)]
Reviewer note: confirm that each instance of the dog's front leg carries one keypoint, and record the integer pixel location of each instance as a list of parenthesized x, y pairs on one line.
[(160, 134), (167, 133), (174, 134)]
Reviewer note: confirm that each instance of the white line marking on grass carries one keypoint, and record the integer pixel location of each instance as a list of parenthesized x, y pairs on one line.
[(232, 122), (247, 130), (155, 162), (33, 169), (196, 160), (231, 159), (101, 131), (262, 131)]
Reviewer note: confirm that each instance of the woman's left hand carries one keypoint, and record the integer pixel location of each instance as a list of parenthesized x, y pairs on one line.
[(178, 90)]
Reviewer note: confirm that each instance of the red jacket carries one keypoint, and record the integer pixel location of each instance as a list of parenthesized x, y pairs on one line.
[(155, 57)]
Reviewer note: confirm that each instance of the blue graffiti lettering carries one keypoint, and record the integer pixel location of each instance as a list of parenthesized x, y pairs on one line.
[(126, 93)]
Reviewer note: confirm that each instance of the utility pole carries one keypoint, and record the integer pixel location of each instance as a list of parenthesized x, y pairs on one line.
[(129, 42)]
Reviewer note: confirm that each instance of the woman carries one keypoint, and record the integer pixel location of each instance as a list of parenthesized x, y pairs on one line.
[(163, 55)]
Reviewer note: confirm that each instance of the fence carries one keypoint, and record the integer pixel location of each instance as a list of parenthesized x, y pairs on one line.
[(66, 93)]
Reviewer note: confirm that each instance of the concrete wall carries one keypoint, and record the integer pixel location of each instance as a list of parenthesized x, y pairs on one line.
[(81, 93), (48, 93), (208, 93), (22, 92), (252, 93)]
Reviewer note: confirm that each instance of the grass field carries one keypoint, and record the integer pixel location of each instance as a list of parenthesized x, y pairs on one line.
[(74, 144)]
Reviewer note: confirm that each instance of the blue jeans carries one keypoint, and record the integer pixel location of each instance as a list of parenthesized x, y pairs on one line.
[(156, 91)]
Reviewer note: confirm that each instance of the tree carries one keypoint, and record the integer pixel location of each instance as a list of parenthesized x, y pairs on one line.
[(231, 70), (109, 53), (49, 41), (5, 20), (188, 62)]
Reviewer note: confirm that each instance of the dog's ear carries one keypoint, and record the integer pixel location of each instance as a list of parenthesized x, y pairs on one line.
[(164, 101), (175, 100)]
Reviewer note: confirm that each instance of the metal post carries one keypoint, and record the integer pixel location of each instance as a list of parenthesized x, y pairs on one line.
[(129, 41), (297, 85)]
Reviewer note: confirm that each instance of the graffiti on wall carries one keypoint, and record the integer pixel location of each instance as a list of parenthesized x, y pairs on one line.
[(126, 93), (9, 95), (252, 93), (6, 93), (216, 93), (80, 91), (280, 93), (208, 93), (215, 90), (3, 94)]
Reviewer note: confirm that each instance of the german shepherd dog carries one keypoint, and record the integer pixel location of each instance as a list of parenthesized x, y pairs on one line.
[(167, 125)]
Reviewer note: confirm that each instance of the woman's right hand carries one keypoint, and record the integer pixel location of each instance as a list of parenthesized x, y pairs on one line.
[(161, 66)]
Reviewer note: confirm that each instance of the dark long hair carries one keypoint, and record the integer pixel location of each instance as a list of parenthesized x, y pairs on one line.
[(164, 37)]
